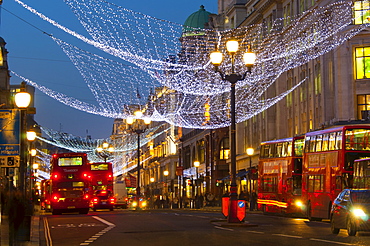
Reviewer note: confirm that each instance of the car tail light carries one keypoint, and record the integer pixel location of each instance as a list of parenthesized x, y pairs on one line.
[(86, 196), (112, 200), (95, 200), (55, 176)]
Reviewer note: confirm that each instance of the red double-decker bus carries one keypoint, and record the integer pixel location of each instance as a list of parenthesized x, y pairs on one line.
[(46, 194), (328, 161), (280, 176), (70, 183), (101, 176)]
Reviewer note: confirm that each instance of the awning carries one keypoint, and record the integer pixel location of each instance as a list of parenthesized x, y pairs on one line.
[(240, 174)]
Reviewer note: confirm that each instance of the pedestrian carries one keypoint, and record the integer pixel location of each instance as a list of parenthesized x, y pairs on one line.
[(253, 201)]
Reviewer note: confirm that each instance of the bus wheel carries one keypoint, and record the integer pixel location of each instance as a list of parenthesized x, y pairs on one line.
[(309, 213), (351, 227), (56, 212), (264, 209), (84, 211)]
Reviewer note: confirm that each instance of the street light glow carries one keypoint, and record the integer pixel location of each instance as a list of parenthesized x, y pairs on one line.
[(22, 99), (232, 46)]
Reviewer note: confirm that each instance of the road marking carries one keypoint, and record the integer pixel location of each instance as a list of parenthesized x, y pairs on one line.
[(284, 235), (223, 228), (101, 233), (327, 241), (49, 242), (257, 232)]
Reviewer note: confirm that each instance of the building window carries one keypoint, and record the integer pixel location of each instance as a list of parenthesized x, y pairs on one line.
[(363, 107), (361, 12), (362, 62), (224, 149), (201, 151), (287, 15)]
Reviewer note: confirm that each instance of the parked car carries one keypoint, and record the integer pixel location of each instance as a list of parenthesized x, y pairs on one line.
[(351, 211), (103, 199)]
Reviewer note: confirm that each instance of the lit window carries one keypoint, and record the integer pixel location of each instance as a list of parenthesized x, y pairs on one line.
[(362, 62), (224, 149), (363, 107), (361, 12)]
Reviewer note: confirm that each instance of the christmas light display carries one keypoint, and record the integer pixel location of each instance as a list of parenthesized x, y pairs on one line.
[(169, 69), (126, 145)]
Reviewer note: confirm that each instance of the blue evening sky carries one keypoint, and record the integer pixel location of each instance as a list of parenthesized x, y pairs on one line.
[(37, 57)]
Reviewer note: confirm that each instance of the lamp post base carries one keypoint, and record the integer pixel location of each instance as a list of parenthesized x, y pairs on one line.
[(233, 206)]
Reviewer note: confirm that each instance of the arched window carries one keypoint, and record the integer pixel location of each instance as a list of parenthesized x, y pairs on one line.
[(224, 149)]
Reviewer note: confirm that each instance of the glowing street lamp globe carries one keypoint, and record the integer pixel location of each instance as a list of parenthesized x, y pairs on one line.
[(22, 99)]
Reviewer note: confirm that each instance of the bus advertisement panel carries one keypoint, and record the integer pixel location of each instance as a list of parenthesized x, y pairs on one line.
[(280, 176), (328, 162), (70, 183)]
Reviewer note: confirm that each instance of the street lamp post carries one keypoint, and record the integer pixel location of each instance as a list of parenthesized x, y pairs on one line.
[(196, 165), (105, 151), (165, 173), (31, 136), (138, 128), (22, 101), (250, 152), (249, 60)]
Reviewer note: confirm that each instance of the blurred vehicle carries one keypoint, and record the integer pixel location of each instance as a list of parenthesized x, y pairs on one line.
[(103, 199), (351, 211), (120, 194), (133, 204)]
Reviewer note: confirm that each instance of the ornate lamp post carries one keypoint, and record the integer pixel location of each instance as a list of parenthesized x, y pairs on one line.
[(249, 57), (31, 136), (196, 165), (105, 151), (250, 152), (165, 173), (137, 126), (22, 101)]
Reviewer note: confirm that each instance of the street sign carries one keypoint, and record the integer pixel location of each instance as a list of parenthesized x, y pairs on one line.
[(9, 161), (240, 213), (9, 137)]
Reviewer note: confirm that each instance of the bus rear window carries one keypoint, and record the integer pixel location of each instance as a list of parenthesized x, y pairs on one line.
[(70, 161), (71, 184)]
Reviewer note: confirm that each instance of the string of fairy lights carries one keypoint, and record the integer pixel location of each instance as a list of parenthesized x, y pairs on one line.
[(165, 66)]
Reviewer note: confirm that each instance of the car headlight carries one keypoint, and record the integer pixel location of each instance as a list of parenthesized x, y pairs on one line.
[(134, 204), (359, 213), (143, 204), (298, 203)]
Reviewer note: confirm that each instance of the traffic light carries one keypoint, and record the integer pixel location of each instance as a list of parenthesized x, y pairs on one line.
[(189, 182)]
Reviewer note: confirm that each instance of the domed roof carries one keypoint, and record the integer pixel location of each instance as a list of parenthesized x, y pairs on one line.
[(2, 41), (196, 20)]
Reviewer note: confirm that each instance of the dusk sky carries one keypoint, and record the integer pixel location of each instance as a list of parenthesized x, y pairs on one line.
[(37, 57)]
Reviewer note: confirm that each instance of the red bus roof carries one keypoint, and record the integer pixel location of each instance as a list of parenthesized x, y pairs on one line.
[(336, 129)]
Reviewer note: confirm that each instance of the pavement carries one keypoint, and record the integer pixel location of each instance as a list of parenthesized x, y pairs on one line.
[(34, 230)]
